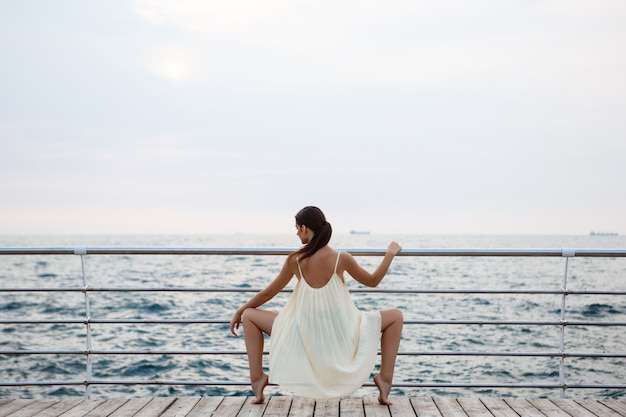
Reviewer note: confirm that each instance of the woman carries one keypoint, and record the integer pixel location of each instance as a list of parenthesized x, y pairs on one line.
[(322, 346)]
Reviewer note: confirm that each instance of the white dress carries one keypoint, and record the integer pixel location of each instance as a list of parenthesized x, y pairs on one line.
[(321, 345)]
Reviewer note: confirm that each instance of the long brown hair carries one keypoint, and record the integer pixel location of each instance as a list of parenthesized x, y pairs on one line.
[(313, 218)]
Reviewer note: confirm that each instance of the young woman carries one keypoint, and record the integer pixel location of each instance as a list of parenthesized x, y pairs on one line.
[(321, 345)]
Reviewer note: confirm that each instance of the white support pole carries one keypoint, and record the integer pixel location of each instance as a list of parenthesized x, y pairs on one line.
[(82, 251), (567, 253)]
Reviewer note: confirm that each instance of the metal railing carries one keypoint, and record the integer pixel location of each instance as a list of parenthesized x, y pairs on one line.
[(88, 320)]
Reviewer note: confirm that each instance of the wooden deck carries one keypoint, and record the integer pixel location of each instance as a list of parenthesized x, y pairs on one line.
[(278, 406)]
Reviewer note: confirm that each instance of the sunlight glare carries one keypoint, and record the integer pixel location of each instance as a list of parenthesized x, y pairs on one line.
[(174, 70)]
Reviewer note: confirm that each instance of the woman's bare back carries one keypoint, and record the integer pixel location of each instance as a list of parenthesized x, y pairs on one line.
[(319, 268)]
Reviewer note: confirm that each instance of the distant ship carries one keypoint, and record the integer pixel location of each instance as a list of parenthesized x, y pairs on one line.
[(603, 233), (359, 232)]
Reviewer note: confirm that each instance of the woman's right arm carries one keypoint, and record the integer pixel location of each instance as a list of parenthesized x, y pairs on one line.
[(266, 294)]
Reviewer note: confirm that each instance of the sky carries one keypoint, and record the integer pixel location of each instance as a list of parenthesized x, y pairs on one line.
[(395, 116)]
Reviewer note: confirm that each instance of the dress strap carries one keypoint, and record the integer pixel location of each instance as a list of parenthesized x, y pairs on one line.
[(299, 269), (337, 261)]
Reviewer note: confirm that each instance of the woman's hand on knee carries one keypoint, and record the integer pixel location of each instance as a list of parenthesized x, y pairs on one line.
[(235, 321)]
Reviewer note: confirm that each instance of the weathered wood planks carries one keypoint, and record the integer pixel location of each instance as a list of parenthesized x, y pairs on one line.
[(286, 406)]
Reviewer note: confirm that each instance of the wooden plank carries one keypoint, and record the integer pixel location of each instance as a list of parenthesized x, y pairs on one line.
[(180, 407), (60, 408), (449, 407), (598, 408), (498, 407), (106, 408), (474, 408), (572, 408), (523, 408), (34, 408), (205, 407), (351, 407), (302, 407), (374, 409), (401, 407), (425, 407), (278, 406), (548, 408), (326, 408), (230, 406), (616, 405), (253, 410), (131, 407), (82, 408), (155, 407), (13, 406)]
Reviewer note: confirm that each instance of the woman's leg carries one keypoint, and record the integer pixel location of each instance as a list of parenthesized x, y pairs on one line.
[(255, 323), (391, 326)]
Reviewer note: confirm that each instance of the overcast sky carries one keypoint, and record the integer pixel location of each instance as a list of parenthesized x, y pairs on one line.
[(395, 116)]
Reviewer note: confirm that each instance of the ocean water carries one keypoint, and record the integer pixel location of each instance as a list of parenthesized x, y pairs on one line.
[(257, 271)]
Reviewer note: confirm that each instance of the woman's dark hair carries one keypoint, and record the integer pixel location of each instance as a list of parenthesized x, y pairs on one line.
[(313, 218)]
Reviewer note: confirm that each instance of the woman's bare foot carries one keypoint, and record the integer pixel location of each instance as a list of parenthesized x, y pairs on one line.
[(384, 388), (257, 389)]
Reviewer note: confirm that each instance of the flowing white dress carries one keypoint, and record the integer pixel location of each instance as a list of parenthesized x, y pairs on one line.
[(321, 345)]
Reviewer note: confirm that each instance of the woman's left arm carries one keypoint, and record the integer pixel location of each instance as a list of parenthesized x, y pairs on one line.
[(372, 279)]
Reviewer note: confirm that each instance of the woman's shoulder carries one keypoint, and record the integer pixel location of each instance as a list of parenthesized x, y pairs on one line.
[(345, 258)]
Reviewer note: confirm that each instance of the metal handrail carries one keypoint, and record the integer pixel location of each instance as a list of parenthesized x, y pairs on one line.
[(243, 352), (83, 251), (367, 384), (217, 321), (87, 250), (288, 290)]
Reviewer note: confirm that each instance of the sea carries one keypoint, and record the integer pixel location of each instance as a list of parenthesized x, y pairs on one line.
[(255, 271)]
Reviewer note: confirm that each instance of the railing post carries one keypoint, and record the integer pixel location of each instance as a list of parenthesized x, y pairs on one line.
[(567, 253), (82, 251)]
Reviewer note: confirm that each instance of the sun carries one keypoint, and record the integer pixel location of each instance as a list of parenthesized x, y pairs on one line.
[(174, 70)]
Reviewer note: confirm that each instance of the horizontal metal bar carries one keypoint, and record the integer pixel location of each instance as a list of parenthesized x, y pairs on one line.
[(207, 321), (243, 352), (114, 321), (400, 384), (516, 354), (505, 386), (136, 289), (520, 322), (286, 251), (370, 384), (289, 290), (40, 383)]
